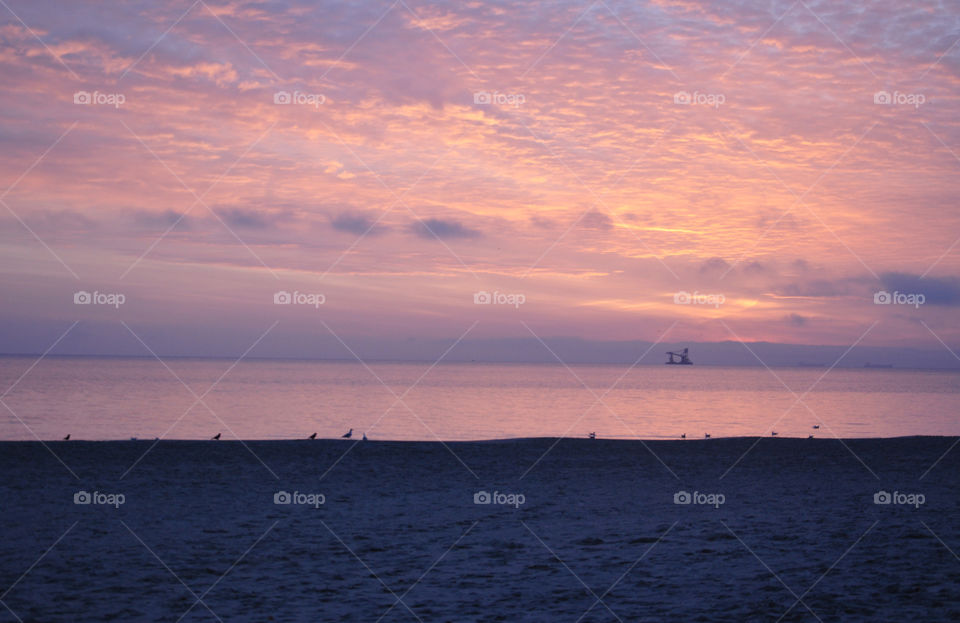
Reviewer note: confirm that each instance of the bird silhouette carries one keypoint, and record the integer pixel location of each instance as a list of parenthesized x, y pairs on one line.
[(683, 436), (364, 436), (707, 436), (810, 437), (816, 426), (348, 434), (592, 435), (313, 436), (217, 437), (67, 438), (773, 433)]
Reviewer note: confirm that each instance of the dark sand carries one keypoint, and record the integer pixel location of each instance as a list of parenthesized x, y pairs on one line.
[(399, 523)]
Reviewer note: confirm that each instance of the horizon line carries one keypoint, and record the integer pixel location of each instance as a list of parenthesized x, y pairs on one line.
[(637, 363)]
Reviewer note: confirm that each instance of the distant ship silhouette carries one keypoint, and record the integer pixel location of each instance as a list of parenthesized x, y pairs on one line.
[(679, 359)]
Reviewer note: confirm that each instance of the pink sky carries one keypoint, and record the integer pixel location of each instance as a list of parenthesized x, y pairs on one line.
[(584, 185)]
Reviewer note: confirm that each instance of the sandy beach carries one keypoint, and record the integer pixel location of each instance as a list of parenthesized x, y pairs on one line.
[(518, 530)]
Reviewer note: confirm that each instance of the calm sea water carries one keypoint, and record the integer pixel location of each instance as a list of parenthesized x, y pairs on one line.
[(104, 398)]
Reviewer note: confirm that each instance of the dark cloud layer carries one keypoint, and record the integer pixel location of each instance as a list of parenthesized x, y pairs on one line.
[(355, 223), (937, 290), (432, 228)]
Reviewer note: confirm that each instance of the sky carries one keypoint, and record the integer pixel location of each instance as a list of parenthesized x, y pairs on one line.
[(417, 175)]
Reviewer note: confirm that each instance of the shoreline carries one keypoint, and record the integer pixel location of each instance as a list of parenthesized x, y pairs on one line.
[(503, 440)]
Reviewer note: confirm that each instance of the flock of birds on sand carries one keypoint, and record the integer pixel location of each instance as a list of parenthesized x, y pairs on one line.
[(592, 435), (346, 435), (773, 433)]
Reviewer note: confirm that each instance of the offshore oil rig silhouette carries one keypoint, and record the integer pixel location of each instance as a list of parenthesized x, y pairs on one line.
[(679, 359)]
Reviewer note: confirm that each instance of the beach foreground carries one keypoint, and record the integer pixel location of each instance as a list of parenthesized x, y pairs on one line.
[(519, 530)]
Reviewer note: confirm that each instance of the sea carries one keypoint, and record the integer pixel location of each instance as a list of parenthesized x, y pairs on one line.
[(106, 398)]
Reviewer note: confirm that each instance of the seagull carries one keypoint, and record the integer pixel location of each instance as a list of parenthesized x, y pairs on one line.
[(313, 436), (773, 433), (347, 435), (816, 426), (707, 436), (683, 436), (810, 437), (217, 437), (592, 435), (364, 436), (67, 438)]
